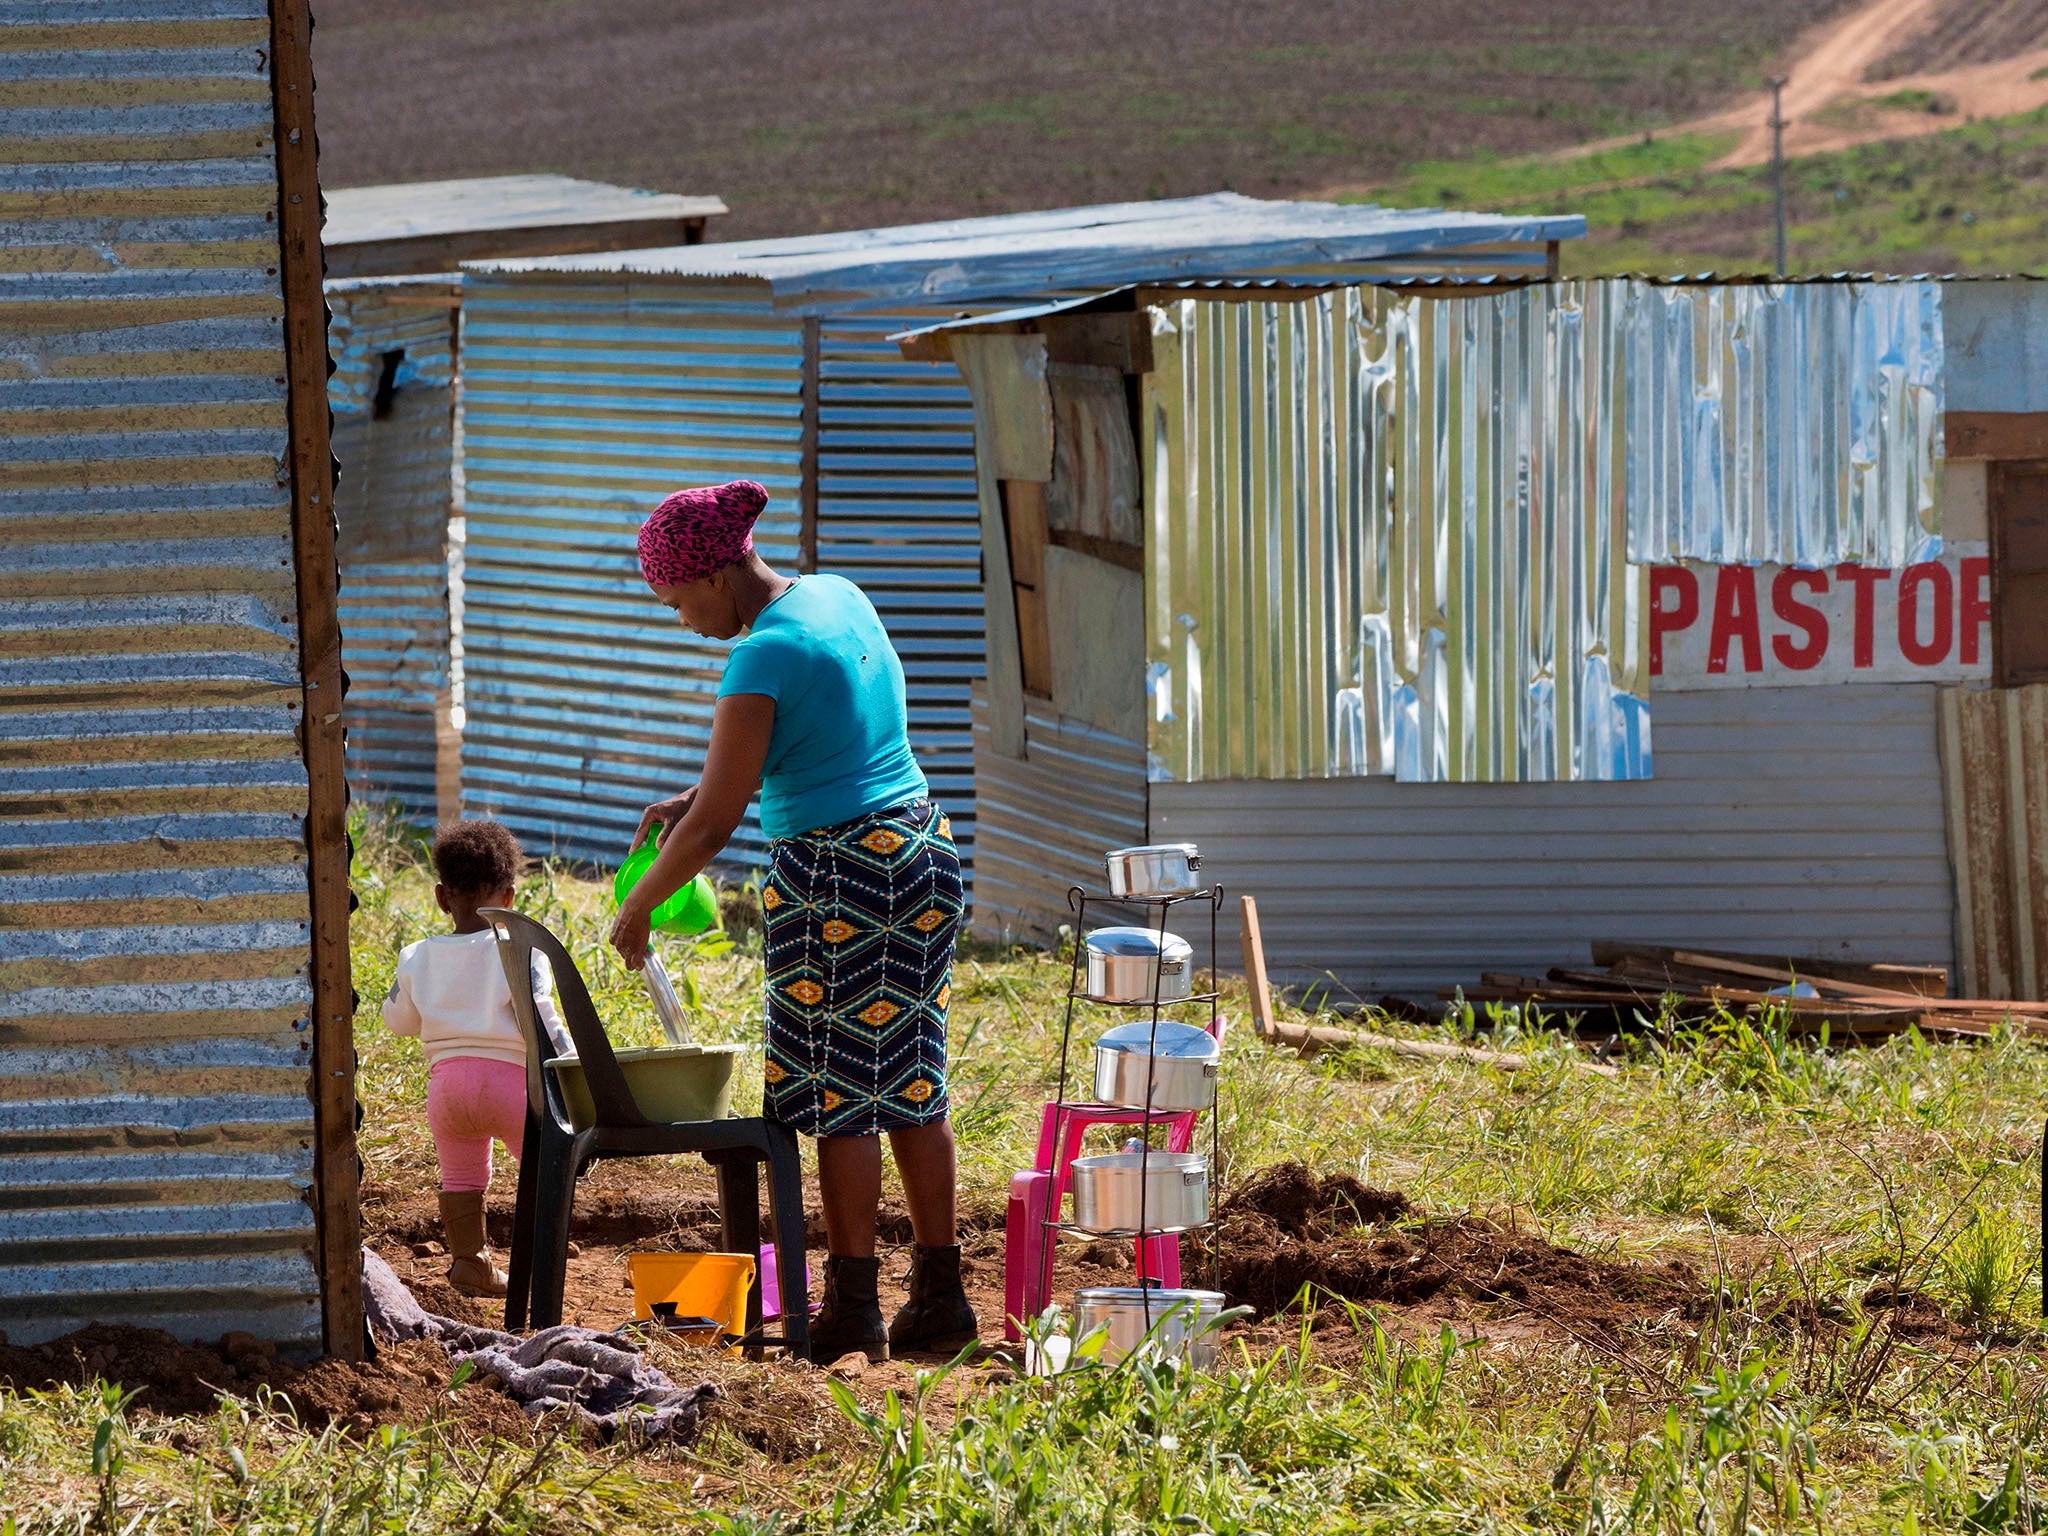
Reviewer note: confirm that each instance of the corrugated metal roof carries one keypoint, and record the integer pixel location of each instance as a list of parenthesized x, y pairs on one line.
[(1069, 248), (392, 394), (155, 1060), (411, 209)]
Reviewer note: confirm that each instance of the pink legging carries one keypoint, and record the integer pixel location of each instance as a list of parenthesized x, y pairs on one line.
[(470, 1099)]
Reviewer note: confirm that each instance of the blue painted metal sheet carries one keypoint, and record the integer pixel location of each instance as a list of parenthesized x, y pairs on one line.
[(155, 1121), (393, 398), (583, 405)]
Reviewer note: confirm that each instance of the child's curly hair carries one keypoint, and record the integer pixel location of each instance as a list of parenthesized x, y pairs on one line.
[(477, 858)]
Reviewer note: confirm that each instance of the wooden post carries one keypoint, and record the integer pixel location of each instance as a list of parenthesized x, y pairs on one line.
[(1255, 968), (807, 489), (336, 1171)]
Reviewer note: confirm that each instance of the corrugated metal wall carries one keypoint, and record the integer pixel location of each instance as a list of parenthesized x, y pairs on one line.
[(1793, 423), (897, 515), (1048, 818), (392, 393), (1386, 539), (583, 405), (1789, 821), (155, 1126), (1994, 747)]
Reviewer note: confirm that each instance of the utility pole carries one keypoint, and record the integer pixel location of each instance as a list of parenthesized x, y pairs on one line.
[(1778, 163)]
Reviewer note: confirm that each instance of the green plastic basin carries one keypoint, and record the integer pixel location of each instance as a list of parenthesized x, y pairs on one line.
[(668, 1082)]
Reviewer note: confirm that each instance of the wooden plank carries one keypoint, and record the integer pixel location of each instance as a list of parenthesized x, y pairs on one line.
[(1024, 518), (446, 252), (1310, 1038), (1119, 341), (1255, 978), (1925, 980), (336, 1168), (1996, 434), (807, 474), (1034, 641)]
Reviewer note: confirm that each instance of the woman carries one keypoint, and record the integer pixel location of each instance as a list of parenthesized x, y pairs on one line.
[(862, 903)]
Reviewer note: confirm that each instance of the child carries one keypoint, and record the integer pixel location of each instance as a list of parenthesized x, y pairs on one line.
[(450, 991)]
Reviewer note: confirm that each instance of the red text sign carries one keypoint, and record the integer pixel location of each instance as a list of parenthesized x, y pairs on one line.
[(1769, 626)]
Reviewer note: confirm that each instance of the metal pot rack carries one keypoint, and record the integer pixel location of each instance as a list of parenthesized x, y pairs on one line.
[(1079, 900)]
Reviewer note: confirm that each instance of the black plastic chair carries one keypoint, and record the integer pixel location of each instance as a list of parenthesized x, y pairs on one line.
[(555, 1153)]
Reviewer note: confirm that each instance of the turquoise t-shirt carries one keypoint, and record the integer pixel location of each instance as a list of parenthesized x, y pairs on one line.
[(840, 747)]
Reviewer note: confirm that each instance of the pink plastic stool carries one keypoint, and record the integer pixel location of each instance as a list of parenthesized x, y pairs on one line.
[(1038, 1192)]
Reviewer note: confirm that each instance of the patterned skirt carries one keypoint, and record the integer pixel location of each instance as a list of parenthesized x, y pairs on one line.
[(861, 920)]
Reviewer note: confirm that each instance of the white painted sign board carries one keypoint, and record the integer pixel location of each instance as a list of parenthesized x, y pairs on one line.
[(1769, 626)]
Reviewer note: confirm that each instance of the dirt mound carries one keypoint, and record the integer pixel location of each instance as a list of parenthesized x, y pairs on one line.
[(406, 1383), (1288, 1229), (1300, 1204)]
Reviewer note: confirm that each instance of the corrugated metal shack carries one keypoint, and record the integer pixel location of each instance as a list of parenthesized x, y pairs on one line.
[(395, 300), (1378, 590), (594, 384), (176, 1069)]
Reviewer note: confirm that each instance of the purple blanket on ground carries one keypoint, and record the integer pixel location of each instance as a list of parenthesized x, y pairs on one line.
[(601, 1378)]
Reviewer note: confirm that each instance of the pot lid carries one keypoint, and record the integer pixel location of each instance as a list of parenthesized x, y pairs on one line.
[(1127, 853), (1146, 943), (1171, 1162), (1158, 1298), (1171, 1039)]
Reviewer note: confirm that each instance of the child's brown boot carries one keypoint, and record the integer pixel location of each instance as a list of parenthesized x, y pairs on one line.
[(462, 1224)]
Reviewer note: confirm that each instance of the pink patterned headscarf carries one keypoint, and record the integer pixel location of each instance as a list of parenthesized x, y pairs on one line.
[(699, 531)]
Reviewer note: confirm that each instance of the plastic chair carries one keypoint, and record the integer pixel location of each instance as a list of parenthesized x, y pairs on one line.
[(556, 1153), (1039, 1193)]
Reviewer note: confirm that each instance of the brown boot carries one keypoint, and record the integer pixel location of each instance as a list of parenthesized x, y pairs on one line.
[(851, 1318), (938, 1314), (462, 1224)]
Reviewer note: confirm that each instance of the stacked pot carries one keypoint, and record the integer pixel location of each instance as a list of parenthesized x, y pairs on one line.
[(1167, 1069)]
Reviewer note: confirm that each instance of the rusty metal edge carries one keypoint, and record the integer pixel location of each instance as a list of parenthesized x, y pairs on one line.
[(336, 1170)]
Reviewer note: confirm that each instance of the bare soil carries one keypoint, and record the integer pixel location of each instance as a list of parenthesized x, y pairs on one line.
[(805, 117), (1287, 1231), (1963, 32), (406, 1383)]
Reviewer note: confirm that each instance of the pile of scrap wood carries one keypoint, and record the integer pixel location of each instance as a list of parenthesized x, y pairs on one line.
[(1868, 1002)]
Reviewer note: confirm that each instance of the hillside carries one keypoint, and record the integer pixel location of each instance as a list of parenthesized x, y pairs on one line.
[(806, 114)]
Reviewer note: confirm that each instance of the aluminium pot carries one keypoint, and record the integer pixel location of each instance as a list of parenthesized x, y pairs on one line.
[(1157, 869), (1125, 965), (1180, 1324), (1152, 1191), (1168, 1067)]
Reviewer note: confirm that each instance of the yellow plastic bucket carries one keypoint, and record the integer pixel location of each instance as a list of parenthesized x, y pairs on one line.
[(712, 1285)]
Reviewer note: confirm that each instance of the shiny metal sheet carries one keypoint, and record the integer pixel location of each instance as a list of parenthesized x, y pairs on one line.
[(1385, 538), (1789, 423), (392, 395), (155, 1120)]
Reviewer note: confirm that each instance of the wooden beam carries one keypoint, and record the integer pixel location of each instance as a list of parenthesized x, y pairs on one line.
[(1255, 968), (807, 474), (336, 1169), (1996, 434)]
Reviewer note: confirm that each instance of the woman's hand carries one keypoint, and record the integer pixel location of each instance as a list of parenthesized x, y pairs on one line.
[(665, 813), (631, 933)]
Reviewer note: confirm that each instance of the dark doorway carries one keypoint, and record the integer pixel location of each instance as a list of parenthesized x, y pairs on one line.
[(2019, 572)]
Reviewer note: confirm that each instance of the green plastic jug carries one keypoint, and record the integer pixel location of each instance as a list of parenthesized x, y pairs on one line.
[(691, 911)]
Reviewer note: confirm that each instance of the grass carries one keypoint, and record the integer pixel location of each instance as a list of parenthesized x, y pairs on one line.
[(1968, 199), (1808, 1184)]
